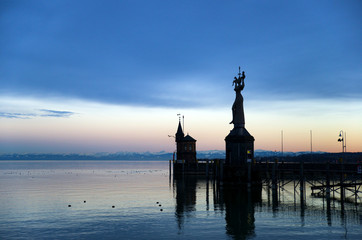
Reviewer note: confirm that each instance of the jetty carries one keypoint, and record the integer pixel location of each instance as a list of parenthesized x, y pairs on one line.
[(240, 168)]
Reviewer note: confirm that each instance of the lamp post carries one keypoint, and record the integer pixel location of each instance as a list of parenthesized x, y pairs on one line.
[(342, 139)]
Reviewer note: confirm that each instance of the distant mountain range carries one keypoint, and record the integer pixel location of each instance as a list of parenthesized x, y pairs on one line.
[(211, 154)]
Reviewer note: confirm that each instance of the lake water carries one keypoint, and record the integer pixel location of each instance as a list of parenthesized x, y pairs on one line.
[(75, 199)]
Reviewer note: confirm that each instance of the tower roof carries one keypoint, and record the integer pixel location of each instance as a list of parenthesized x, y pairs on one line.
[(179, 134), (188, 138)]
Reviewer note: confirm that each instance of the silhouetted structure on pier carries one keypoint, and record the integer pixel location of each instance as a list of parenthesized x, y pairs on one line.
[(239, 148), (239, 142), (186, 146), (240, 167)]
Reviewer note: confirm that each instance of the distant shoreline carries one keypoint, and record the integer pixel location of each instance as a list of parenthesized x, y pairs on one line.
[(164, 156), (83, 160)]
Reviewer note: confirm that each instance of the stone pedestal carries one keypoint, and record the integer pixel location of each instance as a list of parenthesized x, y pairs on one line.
[(239, 147)]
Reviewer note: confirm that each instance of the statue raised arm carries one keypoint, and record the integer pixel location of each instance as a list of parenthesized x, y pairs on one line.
[(236, 81), (243, 76), (239, 81)]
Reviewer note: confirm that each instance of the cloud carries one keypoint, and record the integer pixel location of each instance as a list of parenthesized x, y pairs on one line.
[(54, 113), (16, 115), (44, 113), (147, 57)]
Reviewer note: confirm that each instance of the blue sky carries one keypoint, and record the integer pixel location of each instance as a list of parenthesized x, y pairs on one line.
[(180, 55)]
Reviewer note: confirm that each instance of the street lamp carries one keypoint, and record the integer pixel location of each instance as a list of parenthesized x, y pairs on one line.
[(342, 139)]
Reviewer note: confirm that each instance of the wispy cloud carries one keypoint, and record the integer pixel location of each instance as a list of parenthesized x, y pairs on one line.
[(54, 113), (16, 115), (44, 113)]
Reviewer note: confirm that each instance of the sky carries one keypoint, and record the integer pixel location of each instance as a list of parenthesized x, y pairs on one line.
[(110, 76)]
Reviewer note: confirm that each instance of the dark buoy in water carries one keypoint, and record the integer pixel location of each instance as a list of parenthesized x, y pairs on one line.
[(69, 205), (161, 209), (157, 202), (85, 201), (112, 206), (160, 205)]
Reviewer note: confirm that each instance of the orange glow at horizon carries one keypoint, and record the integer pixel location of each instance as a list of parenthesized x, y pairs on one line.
[(109, 128)]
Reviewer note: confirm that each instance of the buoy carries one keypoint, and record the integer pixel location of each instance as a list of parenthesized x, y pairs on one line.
[(160, 205), (157, 202), (161, 209), (112, 206), (69, 205), (85, 201)]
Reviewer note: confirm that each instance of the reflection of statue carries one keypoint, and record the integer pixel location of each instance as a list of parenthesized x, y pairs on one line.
[(238, 109), (239, 214), (237, 202)]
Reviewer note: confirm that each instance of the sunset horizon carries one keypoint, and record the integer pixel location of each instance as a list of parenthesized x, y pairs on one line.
[(90, 77)]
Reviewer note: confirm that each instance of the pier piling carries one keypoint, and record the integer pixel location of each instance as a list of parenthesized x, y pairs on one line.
[(207, 169)]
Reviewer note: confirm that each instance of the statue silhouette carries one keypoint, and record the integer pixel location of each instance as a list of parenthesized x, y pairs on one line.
[(238, 108)]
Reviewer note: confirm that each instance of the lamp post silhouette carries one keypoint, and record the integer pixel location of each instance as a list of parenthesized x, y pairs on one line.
[(342, 139)]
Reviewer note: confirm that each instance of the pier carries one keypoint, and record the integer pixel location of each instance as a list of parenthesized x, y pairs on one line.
[(340, 181)]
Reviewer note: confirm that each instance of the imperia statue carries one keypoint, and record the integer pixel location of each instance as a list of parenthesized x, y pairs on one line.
[(238, 108)]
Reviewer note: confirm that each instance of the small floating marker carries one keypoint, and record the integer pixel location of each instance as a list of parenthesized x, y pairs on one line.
[(157, 202), (69, 205), (160, 205), (161, 209), (112, 206), (85, 201)]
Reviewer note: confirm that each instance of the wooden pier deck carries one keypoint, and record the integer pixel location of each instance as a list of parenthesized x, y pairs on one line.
[(322, 177)]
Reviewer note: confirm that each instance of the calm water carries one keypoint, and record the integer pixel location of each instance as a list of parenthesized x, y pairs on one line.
[(34, 199)]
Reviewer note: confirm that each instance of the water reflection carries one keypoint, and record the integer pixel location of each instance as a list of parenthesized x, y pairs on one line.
[(239, 210), (185, 189), (236, 204), (198, 198), (35, 198)]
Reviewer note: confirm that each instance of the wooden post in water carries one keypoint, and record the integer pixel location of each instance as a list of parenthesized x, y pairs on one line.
[(355, 194), (342, 181), (207, 169), (328, 196), (274, 188), (274, 174), (169, 178), (207, 193), (302, 191), (281, 176), (216, 163), (328, 185), (169, 167), (221, 171), (268, 193), (301, 183)]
